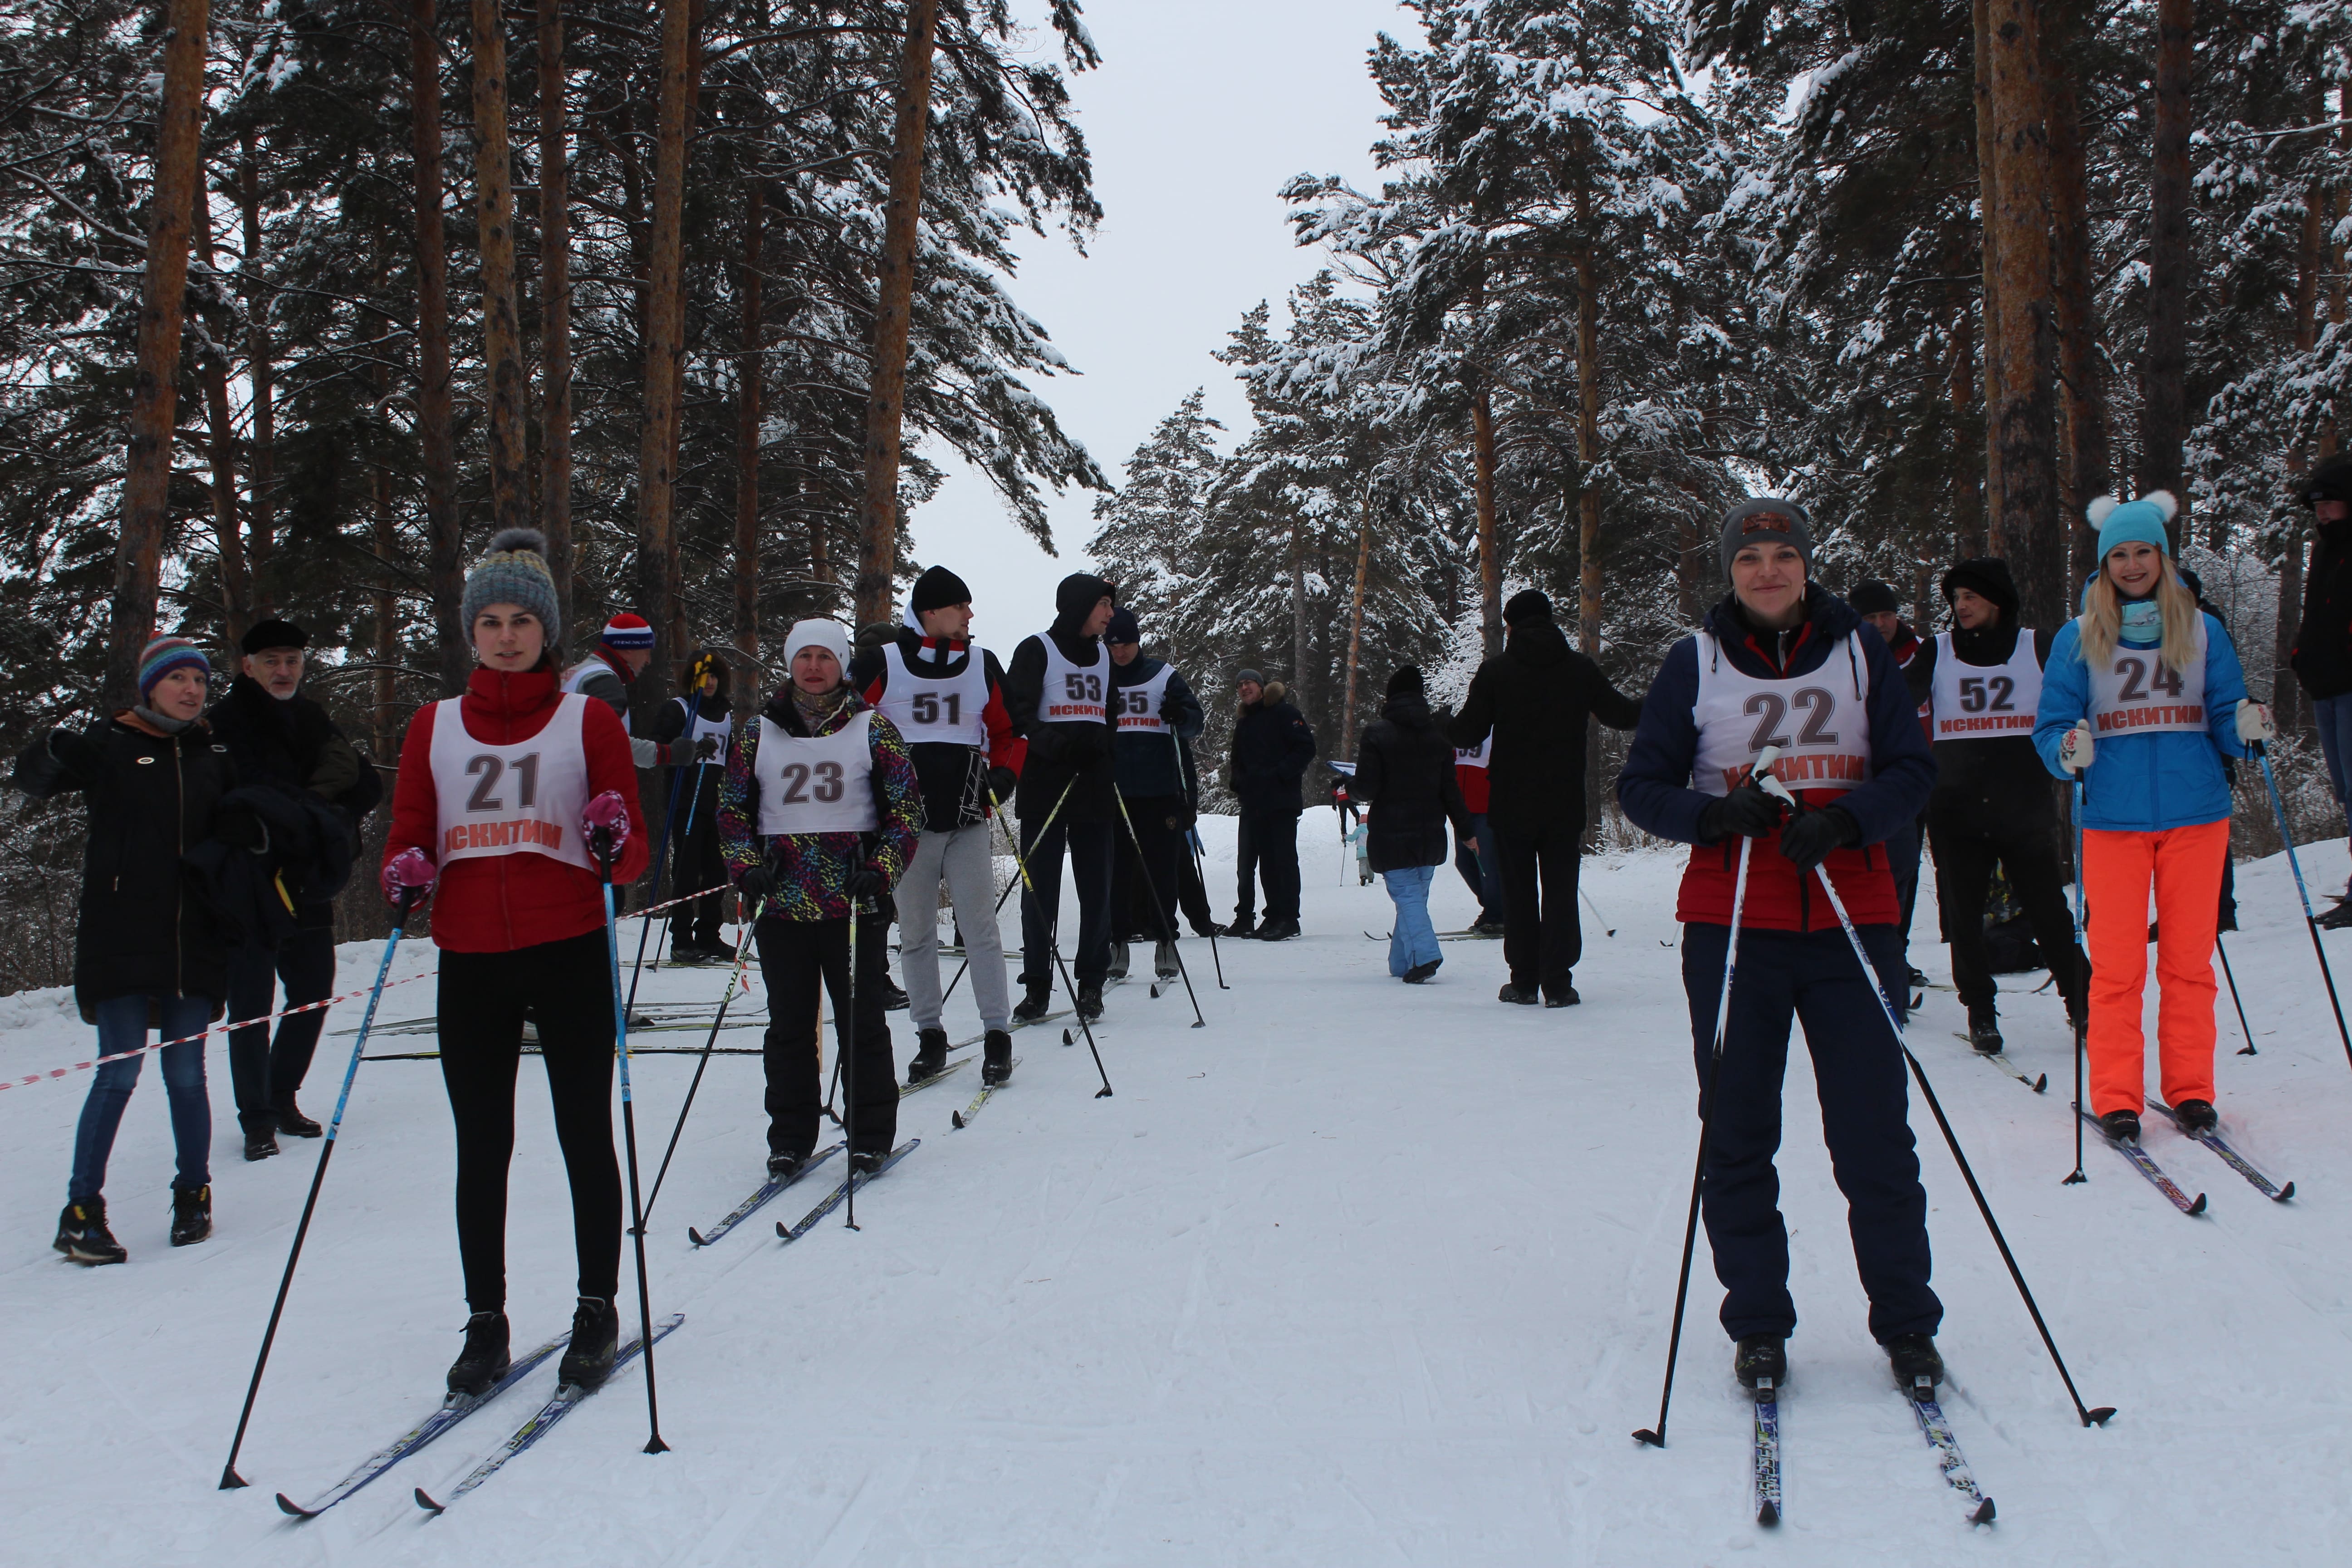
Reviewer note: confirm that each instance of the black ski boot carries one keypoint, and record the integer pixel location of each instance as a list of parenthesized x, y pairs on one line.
[(486, 1358), (595, 1340), (930, 1055), (1984, 1027), (1118, 962), (784, 1164), (1035, 1006), (1277, 930), (192, 1214), (1419, 973), (1512, 991), (1913, 1357), (865, 1162), (894, 1000), (1565, 996), (1089, 1000), (83, 1235), (2197, 1115), (259, 1145), (293, 1124), (2123, 1126), (1760, 1356), (996, 1059), (1163, 960)]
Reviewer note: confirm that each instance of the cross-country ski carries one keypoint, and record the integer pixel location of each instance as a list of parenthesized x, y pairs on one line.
[(759, 1197)]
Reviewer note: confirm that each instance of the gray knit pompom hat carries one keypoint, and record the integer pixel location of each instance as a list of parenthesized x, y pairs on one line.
[(514, 572)]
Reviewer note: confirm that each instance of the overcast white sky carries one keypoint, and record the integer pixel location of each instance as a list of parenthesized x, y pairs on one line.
[(1200, 112)]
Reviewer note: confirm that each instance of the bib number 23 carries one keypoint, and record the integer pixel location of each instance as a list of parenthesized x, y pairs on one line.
[(799, 790)]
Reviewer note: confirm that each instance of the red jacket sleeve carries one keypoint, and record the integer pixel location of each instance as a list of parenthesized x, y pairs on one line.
[(1005, 749), (416, 809), (612, 766)]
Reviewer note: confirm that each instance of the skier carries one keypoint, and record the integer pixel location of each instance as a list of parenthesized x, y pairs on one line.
[(1157, 719), (1058, 689), (1782, 661), (520, 800), (1405, 767), (1536, 698), (1875, 603), (147, 951), (1272, 747), (2322, 659), (694, 729), (1992, 803), (819, 816), (2141, 698), (1474, 852), (610, 674), (282, 741), (945, 695)]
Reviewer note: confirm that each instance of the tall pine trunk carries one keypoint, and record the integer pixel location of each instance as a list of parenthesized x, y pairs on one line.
[(435, 443), (212, 372), (260, 360), (749, 373), (494, 229), (2164, 414), (1988, 211), (2082, 375), (1299, 610), (2025, 523), (555, 308), (1587, 498), (657, 586), (886, 404), (154, 392)]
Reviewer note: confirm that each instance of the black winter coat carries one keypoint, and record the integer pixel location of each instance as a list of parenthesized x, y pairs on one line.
[(2322, 659), (293, 747), (1534, 698), (1405, 769), (1991, 787), (1147, 766), (143, 928), (1073, 756), (1271, 752)]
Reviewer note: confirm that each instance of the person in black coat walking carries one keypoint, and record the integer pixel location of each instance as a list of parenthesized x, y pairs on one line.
[(1404, 768), (1272, 749), (1535, 697), (2322, 659), (696, 729), (284, 742), (147, 951)]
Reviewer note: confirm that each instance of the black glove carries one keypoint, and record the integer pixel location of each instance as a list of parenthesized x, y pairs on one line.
[(1086, 745), (706, 748), (864, 881), (240, 829), (757, 883), (1001, 781), (1746, 812), (1809, 839), (78, 751)]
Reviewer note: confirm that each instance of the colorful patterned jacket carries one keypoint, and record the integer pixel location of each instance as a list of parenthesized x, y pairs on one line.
[(813, 868)]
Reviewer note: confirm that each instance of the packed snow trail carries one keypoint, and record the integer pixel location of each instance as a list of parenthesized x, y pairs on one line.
[(1361, 1273)]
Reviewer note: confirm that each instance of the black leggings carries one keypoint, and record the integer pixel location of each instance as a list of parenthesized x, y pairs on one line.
[(567, 988), (792, 955)]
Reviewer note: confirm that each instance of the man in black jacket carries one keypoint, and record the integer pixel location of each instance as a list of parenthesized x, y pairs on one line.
[(1058, 689), (695, 729), (1536, 698), (2322, 659), (1271, 751), (281, 739), (1157, 718)]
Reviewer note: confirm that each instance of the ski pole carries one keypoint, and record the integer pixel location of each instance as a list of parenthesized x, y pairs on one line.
[(661, 864), (958, 978), (1153, 892), (1053, 943), (1656, 1435), (2083, 946), (602, 847), (1596, 911), (848, 1053), (1201, 875), (2303, 891), (230, 1480), (742, 950), (2090, 1417), (2248, 1049)]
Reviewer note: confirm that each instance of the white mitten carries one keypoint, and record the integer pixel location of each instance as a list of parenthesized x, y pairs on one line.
[(2074, 751), (2254, 723)]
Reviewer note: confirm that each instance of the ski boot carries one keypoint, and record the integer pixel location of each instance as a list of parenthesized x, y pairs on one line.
[(1419, 973), (1036, 1004), (1277, 930), (894, 1000), (1512, 992), (1117, 969), (2340, 916), (2197, 1115), (996, 1059), (865, 1162), (1487, 928), (1915, 1359), (192, 1214), (293, 1124), (1089, 1000), (784, 1164), (2123, 1126), (595, 1340), (1984, 1027), (930, 1055), (1760, 1362), (83, 1235), (1163, 960), (486, 1358)]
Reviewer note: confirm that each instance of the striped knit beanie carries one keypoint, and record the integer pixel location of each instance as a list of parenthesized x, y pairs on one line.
[(513, 572), (162, 655), (627, 630)]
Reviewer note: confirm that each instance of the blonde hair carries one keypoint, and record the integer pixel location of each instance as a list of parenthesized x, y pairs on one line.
[(2103, 618)]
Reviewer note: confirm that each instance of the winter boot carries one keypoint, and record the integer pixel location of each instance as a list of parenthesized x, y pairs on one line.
[(1512, 991), (192, 1214), (1118, 962), (2123, 1126), (1089, 1000), (930, 1055), (1913, 1357), (1419, 973), (293, 1124), (996, 1059), (1486, 928), (1036, 1004), (1277, 930), (261, 1145), (1163, 960), (894, 1000), (1241, 925), (2340, 916), (595, 1340), (83, 1235), (1760, 1356), (486, 1358), (1984, 1027), (2197, 1115), (1565, 996), (1916, 975)]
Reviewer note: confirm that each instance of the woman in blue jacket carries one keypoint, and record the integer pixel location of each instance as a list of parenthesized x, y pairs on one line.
[(2141, 700)]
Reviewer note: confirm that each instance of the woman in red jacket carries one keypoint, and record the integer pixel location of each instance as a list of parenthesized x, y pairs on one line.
[(514, 795)]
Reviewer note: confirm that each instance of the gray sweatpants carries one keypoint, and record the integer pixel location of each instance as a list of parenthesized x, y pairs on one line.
[(961, 858)]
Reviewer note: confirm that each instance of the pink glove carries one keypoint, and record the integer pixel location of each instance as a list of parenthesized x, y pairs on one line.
[(407, 876), (605, 821)]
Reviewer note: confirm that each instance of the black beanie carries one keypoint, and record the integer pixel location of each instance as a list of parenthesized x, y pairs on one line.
[(936, 589), (2331, 481), (1123, 629), (1406, 679), (1873, 598), (273, 633), (1527, 608), (1988, 576)]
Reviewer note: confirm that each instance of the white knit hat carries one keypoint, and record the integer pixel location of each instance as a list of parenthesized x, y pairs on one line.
[(818, 633)]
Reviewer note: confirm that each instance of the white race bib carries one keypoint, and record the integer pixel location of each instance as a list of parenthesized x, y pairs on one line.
[(1984, 702), (698, 726), (524, 798), (1137, 706), (1073, 693), (822, 783), (2138, 694), (929, 707), (1819, 720), (1473, 756)]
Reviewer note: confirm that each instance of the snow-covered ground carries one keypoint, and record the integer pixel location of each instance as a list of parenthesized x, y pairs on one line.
[(1359, 1273)]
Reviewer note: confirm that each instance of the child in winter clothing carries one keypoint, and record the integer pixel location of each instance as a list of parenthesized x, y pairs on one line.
[(2141, 700), (1405, 769)]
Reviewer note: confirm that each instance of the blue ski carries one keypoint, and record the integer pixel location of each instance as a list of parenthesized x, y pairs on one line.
[(2144, 1164), (2213, 1140), (835, 1198), (758, 1200), (567, 1398), (1949, 1458), (455, 1409), (1765, 1466)]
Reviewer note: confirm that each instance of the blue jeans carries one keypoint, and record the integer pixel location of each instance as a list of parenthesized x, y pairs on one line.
[(1474, 858), (2332, 716), (1414, 942), (122, 1027)]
